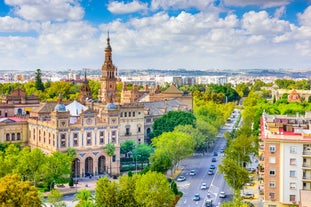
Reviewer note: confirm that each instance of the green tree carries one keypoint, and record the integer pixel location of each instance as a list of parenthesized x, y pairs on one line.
[(126, 194), (106, 193), (169, 121), (85, 198), (14, 192), (175, 145), (153, 189), (39, 84), (127, 146), (142, 152), (30, 163), (55, 197), (110, 149)]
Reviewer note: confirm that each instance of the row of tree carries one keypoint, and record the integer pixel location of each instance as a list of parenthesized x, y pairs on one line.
[(35, 166)]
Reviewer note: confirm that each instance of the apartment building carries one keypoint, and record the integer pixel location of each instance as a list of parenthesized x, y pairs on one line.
[(286, 159)]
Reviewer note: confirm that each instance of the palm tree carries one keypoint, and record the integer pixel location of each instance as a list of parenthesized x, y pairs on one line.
[(110, 149), (85, 198)]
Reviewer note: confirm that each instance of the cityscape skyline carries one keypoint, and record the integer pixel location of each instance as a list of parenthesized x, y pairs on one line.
[(199, 35)]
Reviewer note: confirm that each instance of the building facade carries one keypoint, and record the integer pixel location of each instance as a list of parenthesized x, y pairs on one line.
[(286, 158)]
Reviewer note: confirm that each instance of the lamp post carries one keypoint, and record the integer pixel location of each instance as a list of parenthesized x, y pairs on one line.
[(136, 162), (76, 173), (52, 184)]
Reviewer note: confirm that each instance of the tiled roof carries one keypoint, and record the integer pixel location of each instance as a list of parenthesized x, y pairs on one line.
[(158, 108)]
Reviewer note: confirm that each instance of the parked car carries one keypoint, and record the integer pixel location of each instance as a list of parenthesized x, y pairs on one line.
[(215, 153), (222, 150), (214, 159), (196, 197), (250, 183), (251, 169), (181, 178), (212, 166), (248, 196), (210, 172), (222, 194), (203, 186), (192, 172)]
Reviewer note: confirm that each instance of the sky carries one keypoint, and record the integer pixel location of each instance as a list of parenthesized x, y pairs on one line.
[(155, 34)]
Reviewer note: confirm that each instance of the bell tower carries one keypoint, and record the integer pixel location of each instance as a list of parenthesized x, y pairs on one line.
[(108, 89)]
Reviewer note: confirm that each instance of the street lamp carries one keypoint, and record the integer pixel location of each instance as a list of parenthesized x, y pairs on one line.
[(76, 173), (52, 184), (136, 162)]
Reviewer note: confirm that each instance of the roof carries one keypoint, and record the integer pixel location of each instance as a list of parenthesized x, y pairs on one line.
[(158, 108), (11, 120), (172, 89), (75, 108), (47, 107)]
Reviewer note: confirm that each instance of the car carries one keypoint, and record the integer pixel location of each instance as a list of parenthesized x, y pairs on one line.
[(248, 196), (208, 203), (204, 186), (210, 172), (222, 150), (196, 197), (192, 172), (222, 194), (212, 166), (214, 159), (251, 169), (215, 153), (181, 178), (250, 183)]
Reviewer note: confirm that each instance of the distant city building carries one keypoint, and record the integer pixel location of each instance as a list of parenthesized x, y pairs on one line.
[(285, 159)]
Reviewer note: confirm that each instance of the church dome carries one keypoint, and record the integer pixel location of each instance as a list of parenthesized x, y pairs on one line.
[(60, 107), (111, 106)]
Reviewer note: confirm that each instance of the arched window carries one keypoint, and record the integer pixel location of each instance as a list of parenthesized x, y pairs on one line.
[(13, 136), (18, 136), (7, 137)]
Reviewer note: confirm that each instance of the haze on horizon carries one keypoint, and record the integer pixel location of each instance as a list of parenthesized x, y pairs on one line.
[(171, 34)]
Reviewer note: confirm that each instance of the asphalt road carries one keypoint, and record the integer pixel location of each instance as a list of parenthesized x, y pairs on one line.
[(201, 163)]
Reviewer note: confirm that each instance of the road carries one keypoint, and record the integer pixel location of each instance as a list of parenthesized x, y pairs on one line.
[(201, 163)]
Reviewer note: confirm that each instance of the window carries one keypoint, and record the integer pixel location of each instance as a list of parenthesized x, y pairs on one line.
[(272, 148), (148, 120), (138, 130), (88, 138), (63, 140), (272, 196), (18, 136), (292, 161), (75, 139), (121, 114), (13, 137), (7, 137), (272, 184), (133, 113), (130, 114), (272, 160), (113, 158), (113, 136), (292, 186), (127, 131), (292, 173), (125, 114), (272, 172), (293, 150), (292, 198), (101, 137)]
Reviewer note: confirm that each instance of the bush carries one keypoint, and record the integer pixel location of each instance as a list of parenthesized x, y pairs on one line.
[(71, 182)]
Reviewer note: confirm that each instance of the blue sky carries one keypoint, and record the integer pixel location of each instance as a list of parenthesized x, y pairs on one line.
[(162, 34)]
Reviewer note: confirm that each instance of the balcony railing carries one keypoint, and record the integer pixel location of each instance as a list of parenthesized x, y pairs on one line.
[(306, 165), (306, 153), (306, 178)]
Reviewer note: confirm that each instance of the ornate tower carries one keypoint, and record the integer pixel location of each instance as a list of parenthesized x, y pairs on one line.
[(85, 90), (108, 80)]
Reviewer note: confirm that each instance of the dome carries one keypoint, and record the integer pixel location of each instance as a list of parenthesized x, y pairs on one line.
[(60, 107), (111, 106)]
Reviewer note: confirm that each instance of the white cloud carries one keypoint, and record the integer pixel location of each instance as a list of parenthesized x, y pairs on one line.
[(124, 8), (279, 12), (259, 23), (47, 10), (181, 4), (11, 24), (261, 3), (304, 18)]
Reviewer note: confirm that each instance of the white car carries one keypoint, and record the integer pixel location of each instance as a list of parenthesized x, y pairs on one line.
[(181, 178), (203, 186), (192, 172), (222, 194)]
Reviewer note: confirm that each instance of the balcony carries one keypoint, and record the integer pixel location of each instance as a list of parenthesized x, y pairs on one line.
[(306, 154), (306, 178), (306, 166)]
